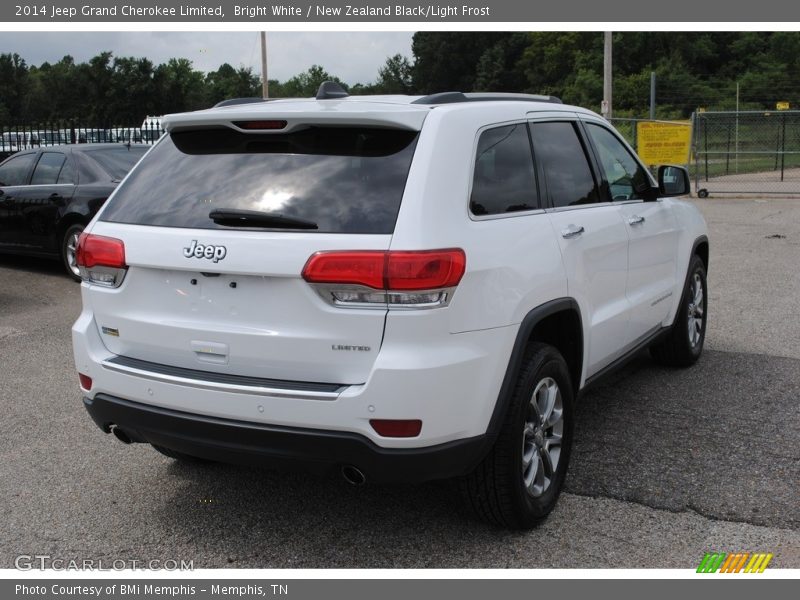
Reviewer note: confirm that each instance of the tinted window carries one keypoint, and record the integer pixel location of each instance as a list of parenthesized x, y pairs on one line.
[(117, 160), (561, 154), (504, 179), (15, 170), (48, 168), (346, 180), (627, 180), (67, 174)]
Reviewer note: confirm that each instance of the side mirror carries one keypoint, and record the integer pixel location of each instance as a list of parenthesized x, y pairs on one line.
[(673, 181)]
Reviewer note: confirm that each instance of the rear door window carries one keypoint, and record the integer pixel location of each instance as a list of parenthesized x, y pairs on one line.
[(48, 168), (346, 180), (566, 166)]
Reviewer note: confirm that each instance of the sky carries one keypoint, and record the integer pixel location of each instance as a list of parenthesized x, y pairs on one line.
[(354, 57)]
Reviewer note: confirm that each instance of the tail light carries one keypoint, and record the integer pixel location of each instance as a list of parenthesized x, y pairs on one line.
[(397, 427), (86, 381), (101, 260), (364, 278)]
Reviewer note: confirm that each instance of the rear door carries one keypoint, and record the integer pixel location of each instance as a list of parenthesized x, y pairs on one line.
[(41, 202), (652, 228), (591, 235), (14, 176), (228, 296)]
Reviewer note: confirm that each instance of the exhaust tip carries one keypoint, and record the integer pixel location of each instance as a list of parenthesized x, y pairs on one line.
[(353, 475), (120, 435)]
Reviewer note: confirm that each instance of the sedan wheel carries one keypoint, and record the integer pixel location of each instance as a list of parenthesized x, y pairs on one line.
[(69, 246)]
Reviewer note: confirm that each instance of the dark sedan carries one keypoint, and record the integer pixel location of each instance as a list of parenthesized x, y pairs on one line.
[(48, 195)]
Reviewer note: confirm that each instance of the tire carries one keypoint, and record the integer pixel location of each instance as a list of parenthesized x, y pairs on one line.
[(68, 244), (179, 456), (684, 343), (503, 490), (702, 193)]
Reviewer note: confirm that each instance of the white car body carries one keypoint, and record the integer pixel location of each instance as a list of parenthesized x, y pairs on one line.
[(444, 366)]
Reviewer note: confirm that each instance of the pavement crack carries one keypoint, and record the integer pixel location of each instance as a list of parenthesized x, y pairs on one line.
[(687, 509)]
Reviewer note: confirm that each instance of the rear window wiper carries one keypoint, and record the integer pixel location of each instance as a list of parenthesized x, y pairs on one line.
[(234, 217)]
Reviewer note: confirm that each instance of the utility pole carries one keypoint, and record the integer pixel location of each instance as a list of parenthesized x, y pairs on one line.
[(264, 78), (606, 106), (652, 95), (736, 162)]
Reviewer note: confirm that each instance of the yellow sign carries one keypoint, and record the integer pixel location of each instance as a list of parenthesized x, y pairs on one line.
[(782, 106), (664, 143)]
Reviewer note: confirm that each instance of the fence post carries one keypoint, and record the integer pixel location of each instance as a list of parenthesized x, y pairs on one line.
[(705, 142), (783, 143), (695, 121), (728, 153)]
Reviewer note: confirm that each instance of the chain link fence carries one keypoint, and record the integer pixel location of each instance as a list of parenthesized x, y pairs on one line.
[(627, 128), (751, 153)]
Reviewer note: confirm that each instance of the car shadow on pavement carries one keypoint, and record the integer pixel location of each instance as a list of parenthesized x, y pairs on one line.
[(677, 440), (32, 264)]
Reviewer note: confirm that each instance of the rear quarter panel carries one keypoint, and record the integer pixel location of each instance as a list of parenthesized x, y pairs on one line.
[(513, 263)]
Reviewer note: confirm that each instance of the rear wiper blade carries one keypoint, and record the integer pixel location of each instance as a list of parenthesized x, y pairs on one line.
[(234, 217)]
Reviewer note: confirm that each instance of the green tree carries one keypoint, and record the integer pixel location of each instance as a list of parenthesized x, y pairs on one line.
[(179, 87), (13, 91), (307, 83), (448, 61), (226, 83), (394, 77)]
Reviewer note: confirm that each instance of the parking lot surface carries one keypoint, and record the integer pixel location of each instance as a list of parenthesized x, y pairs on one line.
[(668, 464)]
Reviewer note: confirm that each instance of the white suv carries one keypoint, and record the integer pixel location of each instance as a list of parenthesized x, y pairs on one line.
[(395, 288)]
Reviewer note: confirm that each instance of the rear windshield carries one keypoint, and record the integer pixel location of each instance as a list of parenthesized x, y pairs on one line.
[(346, 180), (117, 161)]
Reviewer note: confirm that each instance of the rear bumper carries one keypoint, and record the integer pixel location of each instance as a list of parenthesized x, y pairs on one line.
[(243, 442), (448, 381)]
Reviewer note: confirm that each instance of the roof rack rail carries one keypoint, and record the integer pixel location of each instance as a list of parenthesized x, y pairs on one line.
[(235, 101), (456, 97), (330, 90)]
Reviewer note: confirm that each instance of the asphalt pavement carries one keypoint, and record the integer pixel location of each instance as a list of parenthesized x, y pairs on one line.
[(668, 464)]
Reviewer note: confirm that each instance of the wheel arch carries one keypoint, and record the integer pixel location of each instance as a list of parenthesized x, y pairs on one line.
[(67, 221), (545, 323), (700, 248)]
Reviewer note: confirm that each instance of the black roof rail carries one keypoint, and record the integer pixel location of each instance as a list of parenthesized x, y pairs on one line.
[(330, 90), (235, 101), (455, 97)]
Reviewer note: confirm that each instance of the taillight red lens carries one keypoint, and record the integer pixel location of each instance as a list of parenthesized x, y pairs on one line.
[(397, 427), (86, 381), (355, 267), (98, 250), (430, 270), (390, 270)]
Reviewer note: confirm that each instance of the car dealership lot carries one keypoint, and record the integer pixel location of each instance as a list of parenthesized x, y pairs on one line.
[(667, 465)]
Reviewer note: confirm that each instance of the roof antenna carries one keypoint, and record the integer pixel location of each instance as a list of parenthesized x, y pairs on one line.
[(330, 90)]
